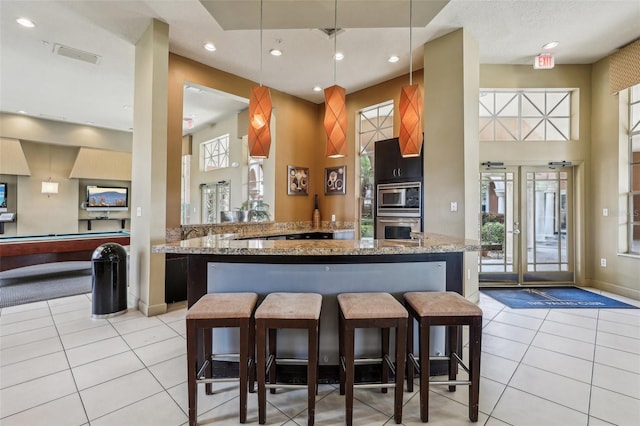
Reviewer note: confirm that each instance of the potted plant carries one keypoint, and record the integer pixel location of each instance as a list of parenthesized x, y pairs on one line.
[(258, 210)]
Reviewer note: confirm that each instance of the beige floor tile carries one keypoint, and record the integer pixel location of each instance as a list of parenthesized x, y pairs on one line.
[(106, 369), (85, 337), (330, 410), (30, 394), (161, 351), (26, 307), (550, 386), (565, 345), (621, 329), (490, 393), (504, 348), (510, 332), (79, 305), (614, 407), (136, 324), (156, 410), (33, 368), (171, 372), (23, 326), (118, 393), (614, 341), (523, 409), (497, 368), (79, 324), (293, 401), (69, 316), (623, 316), (148, 336), (25, 315), (619, 359), (519, 320), (222, 392), (79, 298), (536, 313), (571, 318), (97, 350), (28, 337), (64, 411), (564, 365), (617, 380), (569, 331), (442, 411), (29, 350), (130, 314)]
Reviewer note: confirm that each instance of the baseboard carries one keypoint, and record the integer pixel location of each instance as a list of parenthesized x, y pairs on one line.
[(152, 310), (615, 289)]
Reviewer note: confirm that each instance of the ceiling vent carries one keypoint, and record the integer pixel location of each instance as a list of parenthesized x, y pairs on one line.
[(80, 55)]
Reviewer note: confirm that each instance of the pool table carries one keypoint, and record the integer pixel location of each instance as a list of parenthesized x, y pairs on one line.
[(16, 252)]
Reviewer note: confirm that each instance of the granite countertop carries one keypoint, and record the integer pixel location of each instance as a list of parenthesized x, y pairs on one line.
[(225, 244)]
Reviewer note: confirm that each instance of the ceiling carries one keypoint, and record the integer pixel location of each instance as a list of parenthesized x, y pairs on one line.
[(43, 84)]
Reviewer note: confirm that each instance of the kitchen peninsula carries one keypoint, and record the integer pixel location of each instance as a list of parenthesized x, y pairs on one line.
[(220, 263)]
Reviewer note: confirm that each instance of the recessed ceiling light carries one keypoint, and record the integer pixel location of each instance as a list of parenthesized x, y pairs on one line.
[(25, 22), (339, 56), (194, 89), (317, 89), (393, 59), (275, 52), (126, 106), (22, 111), (210, 47), (551, 45)]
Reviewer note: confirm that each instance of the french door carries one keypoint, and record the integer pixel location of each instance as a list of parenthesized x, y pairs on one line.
[(527, 225), (215, 197)]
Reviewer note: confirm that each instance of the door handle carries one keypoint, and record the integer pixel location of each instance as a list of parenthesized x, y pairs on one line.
[(516, 228)]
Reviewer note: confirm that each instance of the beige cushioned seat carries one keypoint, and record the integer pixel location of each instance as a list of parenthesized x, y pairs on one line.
[(290, 306), (370, 305), (223, 305), (441, 304)]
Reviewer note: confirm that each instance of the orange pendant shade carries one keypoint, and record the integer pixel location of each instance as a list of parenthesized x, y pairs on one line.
[(259, 122), (335, 121), (410, 138)]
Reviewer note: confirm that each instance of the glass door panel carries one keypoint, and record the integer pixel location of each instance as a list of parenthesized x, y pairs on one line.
[(499, 227)]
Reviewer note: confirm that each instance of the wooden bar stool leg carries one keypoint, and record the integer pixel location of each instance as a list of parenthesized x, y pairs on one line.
[(312, 373), (260, 367), (385, 353), (410, 367), (424, 369), (401, 338), (252, 355), (192, 362), (273, 349), (475, 337), (453, 349), (208, 350), (244, 367), (341, 355), (349, 357)]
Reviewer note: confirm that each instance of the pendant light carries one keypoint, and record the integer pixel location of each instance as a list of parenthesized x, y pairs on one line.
[(335, 113), (410, 138), (260, 114)]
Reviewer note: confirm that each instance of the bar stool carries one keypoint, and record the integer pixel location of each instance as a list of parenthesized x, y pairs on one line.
[(287, 310), (371, 310), (453, 311), (214, 311)]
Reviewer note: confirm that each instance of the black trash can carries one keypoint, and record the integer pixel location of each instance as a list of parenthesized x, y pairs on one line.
[(109, 281)]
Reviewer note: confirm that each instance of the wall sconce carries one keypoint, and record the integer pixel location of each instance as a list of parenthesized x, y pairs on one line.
[(410, 137), (260, 114), (335, 112), (49, 187)]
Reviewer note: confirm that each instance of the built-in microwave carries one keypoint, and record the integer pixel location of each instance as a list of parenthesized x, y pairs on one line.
[(399, 199)]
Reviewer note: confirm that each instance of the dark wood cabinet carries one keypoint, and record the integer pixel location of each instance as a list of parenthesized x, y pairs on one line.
[(390, 166)]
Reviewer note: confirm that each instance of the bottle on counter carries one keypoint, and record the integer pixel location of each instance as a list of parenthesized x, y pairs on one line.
[(316, 214)]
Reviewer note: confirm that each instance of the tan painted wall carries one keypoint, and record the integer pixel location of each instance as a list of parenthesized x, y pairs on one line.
[(608, 147), (296, 134)]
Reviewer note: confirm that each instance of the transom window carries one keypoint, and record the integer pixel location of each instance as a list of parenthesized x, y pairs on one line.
[(214, 154), (634, 171), (525, 115)]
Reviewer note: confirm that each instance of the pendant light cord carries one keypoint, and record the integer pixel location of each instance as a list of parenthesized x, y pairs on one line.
[(335, 41), (261, 43), (410, 42)]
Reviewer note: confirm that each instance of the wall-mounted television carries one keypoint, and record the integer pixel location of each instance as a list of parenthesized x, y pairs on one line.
[(107, 198), (4, 187)]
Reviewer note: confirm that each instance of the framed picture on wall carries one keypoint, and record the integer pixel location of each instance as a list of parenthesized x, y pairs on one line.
[(335, 180), (297, 180)]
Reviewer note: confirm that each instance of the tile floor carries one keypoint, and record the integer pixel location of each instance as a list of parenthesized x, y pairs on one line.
[(539, 367)]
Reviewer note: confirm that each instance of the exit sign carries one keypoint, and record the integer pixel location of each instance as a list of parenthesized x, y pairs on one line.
[(543, 61)]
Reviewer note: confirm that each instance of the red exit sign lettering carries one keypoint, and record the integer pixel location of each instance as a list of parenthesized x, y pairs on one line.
[(543, 62)]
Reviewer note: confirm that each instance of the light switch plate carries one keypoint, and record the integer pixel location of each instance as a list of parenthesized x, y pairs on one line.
[(605, 212), (454, 206), (139, 211)]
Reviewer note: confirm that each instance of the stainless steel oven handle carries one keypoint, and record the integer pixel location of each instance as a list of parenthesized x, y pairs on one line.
[(398, 220)]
